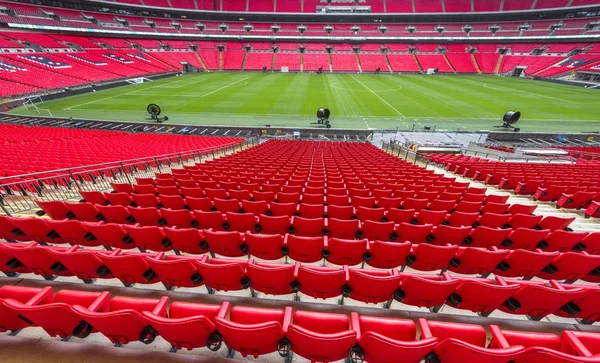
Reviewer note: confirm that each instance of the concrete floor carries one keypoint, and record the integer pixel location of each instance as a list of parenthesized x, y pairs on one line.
[(34, 345)]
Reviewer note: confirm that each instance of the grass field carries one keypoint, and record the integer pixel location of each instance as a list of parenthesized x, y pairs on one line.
[(355, 100)]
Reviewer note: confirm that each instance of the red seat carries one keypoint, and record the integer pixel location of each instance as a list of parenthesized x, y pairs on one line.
[(188, 240), (84, 211), (575, 201), (321, 337), (209, 220), (254, 331), (8, 231), (477, 261), (434, 218), (497, 208), (273, 224), (27, 296), (239, 194), (110, 234), (11, 266), (173, 202), (123, 322), (339, 200), (487, 237), (480, 295), (372, 214), (346, 252), (263, 196), (554, 223), (467, 207), (388, 254), (94, 197), (73, 232), (130, 267), (283, 209), (226, 243), (256, 207), (241, 222), (36, 258), (428, 291), (149, 238), (523, 263), (36, 228), (55, 209), (427, 257), (214, 193), (344, 229), (363, 201), (115, 214), (265, 246), (593, 210), (305, 249), (289, 198), (571, 266), (146, 200), (459, 219), (273, 279), (526, 209), (311, 210), (442, 205), (122, 199), (188, 325), (591, 243), (389, 203), (413, 203), (561, 240), (444, 234), (147, 216), (537, 299), (226, 205), (519, 220), (526, 239), (493, 220), (55, 315), (193, 192), (177, 271), (585, 307), (198, 204), (380, 231), (309, 227), (137, 188), (178, 218), (384, 339), (465, 343), (373, 286), (224, 274), (85, 264), (413, 233), (340, 212), (322, 282)]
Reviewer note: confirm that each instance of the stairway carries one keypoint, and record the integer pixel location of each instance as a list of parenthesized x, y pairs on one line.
[(301, 62), (417, 61), (330, 63), (449, 64), (201, 62), (273, 62), (387, 61), (244, 61), (475, 63), (497, 69), (220, 60), (358, 62)]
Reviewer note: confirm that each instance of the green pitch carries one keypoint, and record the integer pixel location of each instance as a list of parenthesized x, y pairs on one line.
[(356, 101)]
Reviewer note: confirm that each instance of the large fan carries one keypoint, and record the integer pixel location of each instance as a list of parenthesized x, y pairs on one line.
[(323, 117), (510, 118), (153, 109)]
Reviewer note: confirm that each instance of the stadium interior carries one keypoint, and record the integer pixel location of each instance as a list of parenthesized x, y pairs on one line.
[(379, 181)]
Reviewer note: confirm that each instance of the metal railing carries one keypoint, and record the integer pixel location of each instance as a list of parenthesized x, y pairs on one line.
[(18, 193)]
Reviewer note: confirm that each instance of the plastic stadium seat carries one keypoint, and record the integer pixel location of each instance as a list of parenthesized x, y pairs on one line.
[(11, 266), (322, 282), (575, 201), (447, 196), (562, 241), (413, 233), (137, 188), (492, 198), (192, 192), (177, 271), (263, 196), (340, 212), (305, 249), (198, 204), (413, 203), (524, 221), (346, 252), (36, 258), (125, 188), (363, 201), (372, 214), (321, 337), (273, 224), (427, 257), (273, 279), (254, 331), (224, 274), (311, 210), (265, 246), (84, 211), (216, 193), (149, 238), (344, 229), (465, 342), (178, 218), (115, 214), (340, 200), (130, 267), (470, 197), (112, 235), (539, 347), (480, 295), (401, 215), (477, 261), (373, 286), (428, 291), (467, 207), (27, 296), (94, 197), (283, 209), (239, 194), (146, 200), (493, 220), (487, 237), (85, 264), (554, 223), (209, 220), (240, 222), (256, 207), (9, 231), (226, 205), (585, 307), (527, 239), (188, 325), (432, 217), (442, 205), (167, 191), (73, 232), (149, 216), (56, 315), (498, 208), (389, 203), (122, 199), (591, 243), (55, 209), (523, 263), (188, 240), (381, 231), (36, 228), (291, 198), (459, 219), (537, 299), (443, 235), (521, 209), (123, 322), (388, 254), (571, 266), (173, 202), (309, 227), (147, 181), (226, 243)]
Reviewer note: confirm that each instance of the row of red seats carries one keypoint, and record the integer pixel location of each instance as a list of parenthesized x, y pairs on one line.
[(479, 256), (533, 298), (253, 331)]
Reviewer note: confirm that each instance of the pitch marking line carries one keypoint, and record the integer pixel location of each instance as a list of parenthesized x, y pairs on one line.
[(111, 97), (378, 96), (222, 88)]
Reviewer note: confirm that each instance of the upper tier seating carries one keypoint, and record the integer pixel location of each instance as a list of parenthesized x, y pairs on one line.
[(369, 62), (290, 60), (257, 60), (345, 62)]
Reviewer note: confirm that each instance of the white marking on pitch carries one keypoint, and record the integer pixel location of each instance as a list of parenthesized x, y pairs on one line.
[(378, 96), (222, 88), (111, 97)]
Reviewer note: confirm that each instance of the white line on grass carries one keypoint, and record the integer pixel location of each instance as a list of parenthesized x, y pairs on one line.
[(378, 96), (222, 88), (111, 97)]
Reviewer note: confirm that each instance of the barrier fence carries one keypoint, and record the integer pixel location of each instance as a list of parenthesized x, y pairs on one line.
[(18, 193)]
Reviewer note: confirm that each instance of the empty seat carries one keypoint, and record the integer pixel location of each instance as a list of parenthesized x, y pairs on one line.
[(346, 252), (177, 271), (305, 249), (459, 219), (444, 234), (519, 220), (84, 211), (178, 218), (493, 220), (553, 223), (130, 267), (198, 204), (561, 240), (146, 200), (265, 246), (94, 197), (149, 216), (388, 254), (571, 266), (115, 214), (149, 238), (428, 291), (427, 257), (413, 203), (487, 237), (340, 212), (321, 282), (401, 215), (226, 243), (110, 234), (240, 222), (381, 231), (309, 227), (432, 217), (36, 228), (344, 229), (477, 261), (283, 209), (73, 232), (27, 296), (256, 207), (122, 199), (224, 274), (272, 279), (523, 263), (481, 295), (413, 233), (173, 202), (55, 209), (209, 220), (498, 208), (36, 258), (373, 286), (226, 205)]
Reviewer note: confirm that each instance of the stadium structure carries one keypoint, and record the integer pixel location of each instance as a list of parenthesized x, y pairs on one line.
[(378, 181)]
